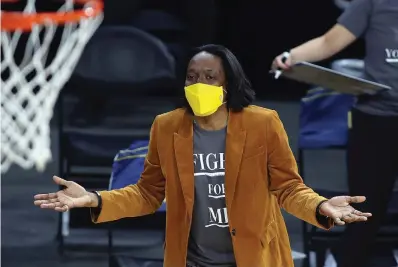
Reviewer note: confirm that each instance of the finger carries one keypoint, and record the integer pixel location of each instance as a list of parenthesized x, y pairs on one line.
[(52, 205), (280, 63), (45, 202), (351, 218), (274, 65), (356, 199), (60, 181), (364, 214), (356, 218), (48, 206), (338, 221), (63, 208), (40, 202), (286, 59), (53, 200), (361, 219), (45, 196), (287, 62)]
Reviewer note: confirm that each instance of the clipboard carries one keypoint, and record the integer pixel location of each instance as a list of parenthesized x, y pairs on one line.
[(316, 75)]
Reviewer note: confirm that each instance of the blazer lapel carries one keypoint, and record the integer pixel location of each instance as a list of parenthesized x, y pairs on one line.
[(236, 138), (183, 150)]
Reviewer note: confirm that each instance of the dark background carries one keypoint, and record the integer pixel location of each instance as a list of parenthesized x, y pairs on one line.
[(255, 31)]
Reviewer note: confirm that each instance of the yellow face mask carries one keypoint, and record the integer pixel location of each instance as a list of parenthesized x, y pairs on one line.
[(204, 99)]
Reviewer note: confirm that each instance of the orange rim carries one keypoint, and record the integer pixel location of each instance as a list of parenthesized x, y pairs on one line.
[(11, 21)]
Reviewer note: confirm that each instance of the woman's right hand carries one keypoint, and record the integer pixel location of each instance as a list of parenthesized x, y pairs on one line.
[(282, 62), (72, 196)]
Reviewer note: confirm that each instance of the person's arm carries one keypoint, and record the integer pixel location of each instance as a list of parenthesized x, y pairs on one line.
[(350, 26), (323, 47), (285, 182), (140, 199)]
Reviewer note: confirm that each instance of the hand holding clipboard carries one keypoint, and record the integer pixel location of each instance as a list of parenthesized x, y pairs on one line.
[(282, 62), (316, 75)]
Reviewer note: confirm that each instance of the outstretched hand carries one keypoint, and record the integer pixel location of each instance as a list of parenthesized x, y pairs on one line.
[(340, 210), (72, 196)]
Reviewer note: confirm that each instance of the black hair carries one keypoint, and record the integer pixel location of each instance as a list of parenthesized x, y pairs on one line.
[(239, 90)]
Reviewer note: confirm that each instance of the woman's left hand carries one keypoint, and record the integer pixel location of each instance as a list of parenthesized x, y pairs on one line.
[(340, 210)]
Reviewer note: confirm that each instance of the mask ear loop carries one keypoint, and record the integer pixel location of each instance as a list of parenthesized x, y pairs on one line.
[(224, 97), (224, 102)]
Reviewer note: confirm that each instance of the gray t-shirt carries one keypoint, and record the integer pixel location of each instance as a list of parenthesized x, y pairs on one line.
[(377, 21), (210, 242)]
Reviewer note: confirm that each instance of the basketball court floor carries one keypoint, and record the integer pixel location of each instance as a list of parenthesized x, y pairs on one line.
[(28, 234)]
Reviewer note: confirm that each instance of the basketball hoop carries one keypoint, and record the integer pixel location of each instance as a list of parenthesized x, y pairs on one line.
[(30, 86)]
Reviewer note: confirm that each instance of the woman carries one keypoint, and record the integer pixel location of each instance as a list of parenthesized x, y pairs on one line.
[(218, 154), (373, 139)]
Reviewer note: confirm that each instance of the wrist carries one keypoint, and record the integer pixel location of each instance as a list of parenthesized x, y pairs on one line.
[(93, 200), (319, 208)]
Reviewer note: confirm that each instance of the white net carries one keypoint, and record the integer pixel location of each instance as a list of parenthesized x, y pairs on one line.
[(30, 87)]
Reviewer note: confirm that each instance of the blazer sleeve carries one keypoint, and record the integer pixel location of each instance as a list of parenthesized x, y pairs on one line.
[(139, 199), (285, 182)]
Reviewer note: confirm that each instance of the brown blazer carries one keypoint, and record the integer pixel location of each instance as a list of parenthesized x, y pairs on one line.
[(261, 177)]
